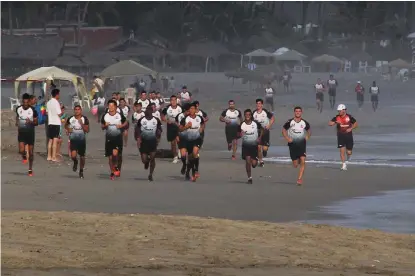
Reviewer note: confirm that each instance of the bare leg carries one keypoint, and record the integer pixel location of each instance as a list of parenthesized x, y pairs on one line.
[(342, 154), (125, 136), (234, 147), (50, 144), (264, 151), (119, 163), (54, 148), (260, 153), (302, 167), (31, 157), (22, 150), (183, 154), (152, 156), (174, 148), (248, 166)]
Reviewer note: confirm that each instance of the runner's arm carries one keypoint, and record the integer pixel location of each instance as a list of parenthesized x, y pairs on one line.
[(123, 121), (85, 125), (285, 127), (182, 125), (271, 118), (354, 123), (163, 114), (260, 130), (103, 123), (137, 131), (159, 129), (222, 116), (202, 125), (308, 129), (333, 121)]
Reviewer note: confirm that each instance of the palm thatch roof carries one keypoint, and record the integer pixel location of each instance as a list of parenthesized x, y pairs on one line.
[(31, 47)]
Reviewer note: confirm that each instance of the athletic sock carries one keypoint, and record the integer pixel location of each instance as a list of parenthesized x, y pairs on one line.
[(196, 164), (183, 160), (264, 153)]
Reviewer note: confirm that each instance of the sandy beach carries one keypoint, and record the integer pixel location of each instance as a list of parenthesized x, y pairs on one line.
[(113, 244)]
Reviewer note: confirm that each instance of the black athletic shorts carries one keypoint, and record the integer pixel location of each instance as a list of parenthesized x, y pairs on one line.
[(297, 150), (265, 138), (195, 143), (182, 143), (249, 151), (360, 97), (286, 83), (54, 131), (231, 132), (345, 140), (172, 132), (111, 144), (332, 92), (126, 127), (79, 146), (269, 100), (320, 96), (148, 146), (374, 98), (26, 137)]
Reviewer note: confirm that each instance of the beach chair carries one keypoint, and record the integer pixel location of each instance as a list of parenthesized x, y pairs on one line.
[(75, 101), (86, 100), (14, 103)]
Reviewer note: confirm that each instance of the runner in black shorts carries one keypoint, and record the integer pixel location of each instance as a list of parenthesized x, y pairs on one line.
[(113, 122), (251, 133), (147, 135), (77, 126), (319, 89), (374, 95), (232, 118), (297, 131), (194, 126), (266, 119), (345, 124), (181, 138), (26, 120), (332, 85), (205, 117), (169, 115)]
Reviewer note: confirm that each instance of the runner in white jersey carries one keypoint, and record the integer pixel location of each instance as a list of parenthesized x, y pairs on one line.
[(205, 117), (185, 96), (286, 79), (125, 109), (332, 86), (319, 90), (251, 133), (269, 96), (374, 95), (153, 99), (232, 117), (297, 131), (143, 100), (266, 119), (138, 113), (193, 125), (169, 115), (181, 138), (99, 102)]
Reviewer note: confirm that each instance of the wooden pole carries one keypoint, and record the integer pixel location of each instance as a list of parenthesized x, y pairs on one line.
[(10, 18)]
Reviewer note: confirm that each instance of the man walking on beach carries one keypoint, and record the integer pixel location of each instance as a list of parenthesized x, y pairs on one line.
[(345, 124), (360, 94), (251, 133), (26, 120), (54, 111), (297, 131), (266, 119), (319, 89), (269, 96), (77, 126), (332, 85), (374, 95), (232, 117), (113, 122), (147, 135), (169, 115)]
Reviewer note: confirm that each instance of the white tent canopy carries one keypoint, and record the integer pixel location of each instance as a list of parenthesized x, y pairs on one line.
[(127, 68), (411, 35), (259, 53), (281, 51)]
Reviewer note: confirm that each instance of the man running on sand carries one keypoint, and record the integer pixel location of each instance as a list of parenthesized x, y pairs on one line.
[(169, 115), (147, 134), (125, 109), (113, 123), (194, 126), (360, 94), (319, 89), (185, 96), (232, 117), (297, 131), (205, 117), (269, 96), (374, 95), (332, 85), (251, 133), (345, 124), (266, 119), (77, 126), (26, 120), (143, 100), (181, 139)]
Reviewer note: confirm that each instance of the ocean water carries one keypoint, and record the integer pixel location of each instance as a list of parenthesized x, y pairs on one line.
[(392, 211)]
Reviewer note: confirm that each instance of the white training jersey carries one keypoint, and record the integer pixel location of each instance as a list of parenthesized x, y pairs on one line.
[(374, 90), (171, 113), (269, 92), (144, 103), (157, 102), (185, 96), (137, 116), (113, 120), (233, 116), (149, 128), (297, 131), (193, 133), (332, 84), (262, 117), (319, 87), (125, 110), (157, 114), (100, 102), (24, 114), (250, 133), (77, 130)]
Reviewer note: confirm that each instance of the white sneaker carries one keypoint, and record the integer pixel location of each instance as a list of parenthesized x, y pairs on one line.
[(175, 160), (344, 167)]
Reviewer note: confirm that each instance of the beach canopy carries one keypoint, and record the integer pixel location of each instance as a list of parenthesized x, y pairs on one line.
[(127, 68), (326, 59), (42, 73), (259, 53), (400, 63), (290, 55)]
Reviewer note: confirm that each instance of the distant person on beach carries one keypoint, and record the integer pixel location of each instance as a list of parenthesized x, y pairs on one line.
[(286, 80), (266, 119), (332, 86), (360, 94), (232, 118), (269, 96), (169, 115), (63, 117), (374, 95), (113, 122), (77, 127), (165, 83), (54, 111), (172, 85), (345, 124), (147, 134), (100, 103), (185, 96), (297, 131), (319, 90), (251, 133), (26, 120), (143, 100)]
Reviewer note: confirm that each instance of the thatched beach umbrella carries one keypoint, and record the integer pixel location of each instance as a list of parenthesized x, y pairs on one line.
[(326, 59), (400, 63)]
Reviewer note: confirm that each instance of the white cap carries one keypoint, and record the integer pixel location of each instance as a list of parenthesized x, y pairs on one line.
[(358, 82), (341, 107)]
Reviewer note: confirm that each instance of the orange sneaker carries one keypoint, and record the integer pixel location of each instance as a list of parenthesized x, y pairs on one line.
[(299, 182), (30, 173)]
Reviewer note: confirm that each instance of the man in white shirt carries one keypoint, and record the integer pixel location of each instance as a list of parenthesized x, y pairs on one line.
[(54, 111)]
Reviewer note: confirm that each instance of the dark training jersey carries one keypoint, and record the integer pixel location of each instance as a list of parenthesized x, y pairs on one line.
[(344, 123)]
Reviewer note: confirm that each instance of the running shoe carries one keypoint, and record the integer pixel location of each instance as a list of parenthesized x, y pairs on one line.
[(299, 182), (150, 178), (229, 146), (183, 170), (117, 172), (30, 173), (233, 157), (261, 164), (75, 165), (249, 181), (344, 167), (112, 176), (175, 160), (24, 160), (146, 165), (81, 174)]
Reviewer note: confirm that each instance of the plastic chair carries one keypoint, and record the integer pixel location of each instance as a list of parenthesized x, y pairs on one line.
[(14, 103), (75, 101), (86, 100)]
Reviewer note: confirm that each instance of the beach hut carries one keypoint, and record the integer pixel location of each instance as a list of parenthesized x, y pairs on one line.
[(400, 64), (326, 63), (127, 68)]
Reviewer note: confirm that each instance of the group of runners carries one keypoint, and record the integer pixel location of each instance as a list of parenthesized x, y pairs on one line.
[(185, 128)]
